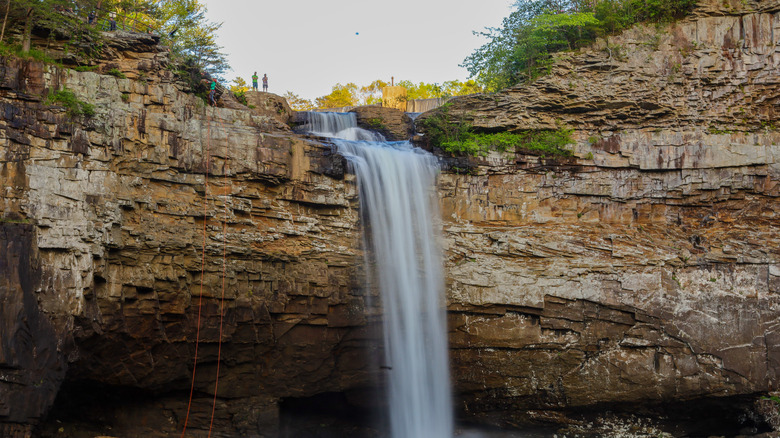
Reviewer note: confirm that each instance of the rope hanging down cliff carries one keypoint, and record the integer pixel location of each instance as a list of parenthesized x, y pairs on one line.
[(224, 275), (202, 275)]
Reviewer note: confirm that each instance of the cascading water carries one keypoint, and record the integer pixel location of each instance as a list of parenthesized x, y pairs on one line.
[(396, 182)]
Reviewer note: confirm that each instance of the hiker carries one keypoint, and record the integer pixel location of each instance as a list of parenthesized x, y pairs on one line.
[(91, 18), (254, 81), (212, 100), (112, 21), (265, 82)]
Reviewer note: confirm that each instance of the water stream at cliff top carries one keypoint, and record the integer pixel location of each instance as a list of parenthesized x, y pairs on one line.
[(397, 199)]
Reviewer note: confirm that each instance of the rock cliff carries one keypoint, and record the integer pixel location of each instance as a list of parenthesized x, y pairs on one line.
[(648, 268), (644, 270), (117, 230)]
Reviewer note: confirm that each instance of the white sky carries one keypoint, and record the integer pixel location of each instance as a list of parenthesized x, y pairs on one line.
[(307, 46)]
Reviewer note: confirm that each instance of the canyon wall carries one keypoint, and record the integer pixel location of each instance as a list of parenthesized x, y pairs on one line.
[(123, 232), (645, 269)]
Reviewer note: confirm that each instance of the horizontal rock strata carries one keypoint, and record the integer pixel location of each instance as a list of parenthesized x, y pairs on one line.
[(645, 269)]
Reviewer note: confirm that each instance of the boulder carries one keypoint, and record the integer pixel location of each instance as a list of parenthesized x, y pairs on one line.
[(269, 105), (393, 123)]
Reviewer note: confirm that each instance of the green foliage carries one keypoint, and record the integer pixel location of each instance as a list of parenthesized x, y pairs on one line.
[(375, 124), (32, 54), (544, 143), (125, 97), (298, 103), (455, 136), (773, 398), (74, 106), (424, 90), (440, 127), (718, 131), (372, 93), (239, 89), (521, 49), (191, 36), (55, 19), (340, 96), (5, 220), (116, 73)]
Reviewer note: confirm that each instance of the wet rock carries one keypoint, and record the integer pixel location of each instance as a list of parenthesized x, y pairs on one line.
[(393, 123)]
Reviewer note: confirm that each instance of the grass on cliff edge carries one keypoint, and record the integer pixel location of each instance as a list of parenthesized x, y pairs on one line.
[(74, 106), (15, 50), (522, 49), (454, 135), (544, 143)]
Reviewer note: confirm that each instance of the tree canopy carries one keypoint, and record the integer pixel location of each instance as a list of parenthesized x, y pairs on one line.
[(521, 49), (354, 95), (191, 35), (182, 24), (340, 95), (298, 103), (423, 90)]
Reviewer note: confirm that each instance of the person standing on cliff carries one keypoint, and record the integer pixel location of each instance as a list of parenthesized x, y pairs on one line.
[(112, 21), (212, 100), (254, 81), (265, 82)]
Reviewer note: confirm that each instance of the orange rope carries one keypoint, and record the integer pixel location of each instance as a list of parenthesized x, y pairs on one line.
[(224, 276), (202, 271)]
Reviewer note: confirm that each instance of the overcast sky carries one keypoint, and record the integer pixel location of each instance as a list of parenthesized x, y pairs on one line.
[(307, 46)]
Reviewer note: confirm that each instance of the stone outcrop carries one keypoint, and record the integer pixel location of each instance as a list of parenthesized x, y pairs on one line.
[(269, 105), (644, 270), (394, 124), (110, 217)]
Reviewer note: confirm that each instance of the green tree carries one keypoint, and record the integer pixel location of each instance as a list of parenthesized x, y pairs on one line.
[(372, 93), (239, 89), (190, 35), (458, 88), (25, 14), (239, 86), (298, 103), (423, 90), (340, 96), (521, 49)]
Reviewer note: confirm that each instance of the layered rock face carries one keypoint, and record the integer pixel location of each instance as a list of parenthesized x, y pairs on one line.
[(124, 232), (646, 269), (394, 124)]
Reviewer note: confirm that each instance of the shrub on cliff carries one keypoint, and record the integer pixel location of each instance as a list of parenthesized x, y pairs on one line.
[(521, 50), (454, 135), (51, 19), (547, 143), (74, 106)]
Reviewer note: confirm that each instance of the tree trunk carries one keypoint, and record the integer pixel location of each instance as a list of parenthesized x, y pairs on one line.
[(27, 31), (5, 19)]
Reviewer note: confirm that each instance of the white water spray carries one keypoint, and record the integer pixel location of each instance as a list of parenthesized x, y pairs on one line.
[(396, 186)]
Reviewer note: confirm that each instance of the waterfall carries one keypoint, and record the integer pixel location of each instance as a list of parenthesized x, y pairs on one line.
[(396, 185)]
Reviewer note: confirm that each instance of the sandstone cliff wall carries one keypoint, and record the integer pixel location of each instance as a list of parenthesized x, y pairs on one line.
[(104, 220), (646, 269)]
